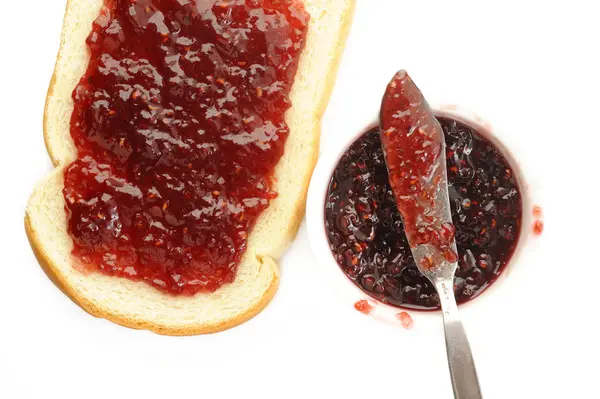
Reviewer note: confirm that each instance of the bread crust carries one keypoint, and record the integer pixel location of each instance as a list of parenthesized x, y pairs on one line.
[(53, 271), (139, 324), (45, 123)]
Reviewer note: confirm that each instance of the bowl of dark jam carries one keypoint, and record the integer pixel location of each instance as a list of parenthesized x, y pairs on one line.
[(357, 235)]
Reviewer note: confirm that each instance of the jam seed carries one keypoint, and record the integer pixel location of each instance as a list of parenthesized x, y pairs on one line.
[(450, 256), (427, 262), (259, 92)]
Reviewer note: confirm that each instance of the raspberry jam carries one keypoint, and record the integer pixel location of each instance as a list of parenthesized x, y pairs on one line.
[(179, 123), (366, 233), (413, 145)]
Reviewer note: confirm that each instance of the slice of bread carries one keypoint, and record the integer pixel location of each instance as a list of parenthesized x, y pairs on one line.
[(136, 304)]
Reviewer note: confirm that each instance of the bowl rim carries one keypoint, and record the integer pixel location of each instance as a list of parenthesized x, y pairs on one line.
[(348, 292)]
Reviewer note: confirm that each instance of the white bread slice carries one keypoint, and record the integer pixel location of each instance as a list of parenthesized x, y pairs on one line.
[(136, 304)]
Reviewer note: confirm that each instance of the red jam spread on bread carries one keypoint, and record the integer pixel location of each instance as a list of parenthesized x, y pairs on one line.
[(179, 124), (366, 232)]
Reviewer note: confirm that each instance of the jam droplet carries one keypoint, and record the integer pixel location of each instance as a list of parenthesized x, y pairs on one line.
[(179, 123), (538, 227), (405, 320), (363, 306)]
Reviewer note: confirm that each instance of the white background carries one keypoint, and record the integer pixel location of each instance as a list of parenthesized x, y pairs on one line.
[(531, 67)]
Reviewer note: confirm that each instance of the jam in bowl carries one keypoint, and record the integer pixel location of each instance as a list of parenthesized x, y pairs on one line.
[(358, 235)]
